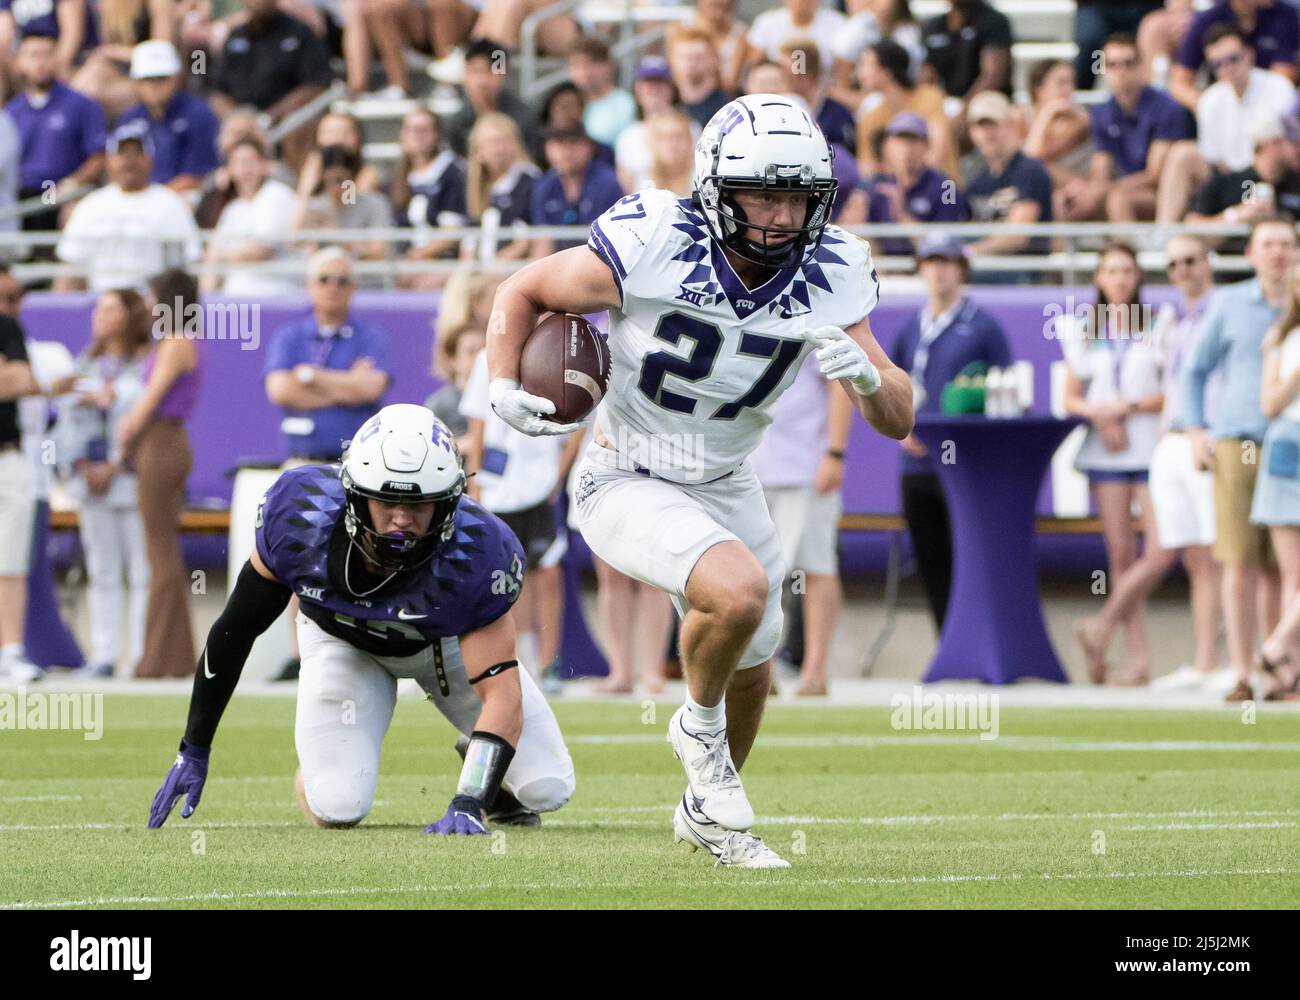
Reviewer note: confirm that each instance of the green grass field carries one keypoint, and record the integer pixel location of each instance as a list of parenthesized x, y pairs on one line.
[(1068, 808)]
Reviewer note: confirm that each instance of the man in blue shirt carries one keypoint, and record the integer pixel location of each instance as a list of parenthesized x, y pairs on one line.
[(1231, 341), (575, 191), (327, 372), (1131, 134), (183, 128), (933, 347), (62, 132), (1271, 27), (1012, 188)]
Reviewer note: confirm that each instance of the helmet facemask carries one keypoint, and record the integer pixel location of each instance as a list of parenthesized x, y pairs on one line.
[(398, 551), (803, 239)]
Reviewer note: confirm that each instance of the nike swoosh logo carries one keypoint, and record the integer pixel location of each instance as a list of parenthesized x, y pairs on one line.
[(409, 618), (206, 672)]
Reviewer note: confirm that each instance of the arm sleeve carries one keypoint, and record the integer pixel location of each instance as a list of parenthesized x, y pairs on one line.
[(1175, 123), (1288, 36), (253, 606), (1190, 54), (622, 234), (1207, 351), (200, 156), (277, 358), (999, 34), (504, 578), (996, 347), (13, 346), (93, 132)]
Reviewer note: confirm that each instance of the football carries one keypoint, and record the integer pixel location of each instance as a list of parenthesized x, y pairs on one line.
[(566, 361)]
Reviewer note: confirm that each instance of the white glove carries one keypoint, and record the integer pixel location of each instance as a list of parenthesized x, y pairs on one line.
[(840, 356), (523, 411)]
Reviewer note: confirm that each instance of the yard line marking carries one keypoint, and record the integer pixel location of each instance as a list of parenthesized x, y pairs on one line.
[(1037, 744), (197, 825), (1211, 826), (40, 798), (783, 883)]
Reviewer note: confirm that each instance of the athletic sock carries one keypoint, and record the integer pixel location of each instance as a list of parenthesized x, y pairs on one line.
[(700, 719), (10, 653)]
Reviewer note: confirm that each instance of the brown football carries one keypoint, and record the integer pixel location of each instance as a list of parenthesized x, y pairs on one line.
[(566, 361)]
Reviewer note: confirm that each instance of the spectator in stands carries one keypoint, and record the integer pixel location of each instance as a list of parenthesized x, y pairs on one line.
[(63, 20), (485, 89), (517, 477), (716, 23), (218, 189), (1277, 493), (1270, 184), (1237, 320), (765, 77), (17, 500), (1271, 28), (890, 92), (122, 25), (1055, 130), (338, 204), (653, 91), (502, 20), (672, 152), (608, 109), (62, 132), (1113, 382), (130, 228), (804, 78), (276, 64), (11, 161), (1182, 496), (428, 191), (934, 346), (182, 127), (499, 190), (562, 108), (574, 191), (388, 27), (151, 438), (1132, 134), (106, 386), (337, 128), (968, 50), (1097, 20), (1011, 188), (800, 464), (459, 338), (1226, 116), (878, 20), (907, 191), (794, 19), (252, 227), (327, 372), (694, 64), (1158, 38)]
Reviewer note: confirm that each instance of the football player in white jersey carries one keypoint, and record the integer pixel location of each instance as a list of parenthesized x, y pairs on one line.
[(713, 302)]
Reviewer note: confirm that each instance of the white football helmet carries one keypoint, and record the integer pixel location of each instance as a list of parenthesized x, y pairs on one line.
[(764, 142), (402, 453)]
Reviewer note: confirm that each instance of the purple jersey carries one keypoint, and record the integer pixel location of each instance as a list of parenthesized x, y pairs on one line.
[(472, 581)]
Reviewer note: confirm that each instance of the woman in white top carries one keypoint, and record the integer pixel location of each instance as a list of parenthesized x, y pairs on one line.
[(498, 188), (1277, 491), (1114, 383), (107, 383), (654, 92), (251, 227)]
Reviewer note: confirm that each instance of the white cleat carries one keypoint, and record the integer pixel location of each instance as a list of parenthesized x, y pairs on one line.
[(714, 784), (733, 848)]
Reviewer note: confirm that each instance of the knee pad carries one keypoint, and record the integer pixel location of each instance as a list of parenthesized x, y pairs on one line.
[(545, 794)]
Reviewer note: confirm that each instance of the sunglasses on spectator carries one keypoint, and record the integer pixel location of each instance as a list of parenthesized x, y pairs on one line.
[(1121, 63), (342, 280), (1184, 262), (1232, 60)]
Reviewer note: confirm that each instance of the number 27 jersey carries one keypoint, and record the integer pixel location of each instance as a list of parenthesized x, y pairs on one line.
[(698, 358)]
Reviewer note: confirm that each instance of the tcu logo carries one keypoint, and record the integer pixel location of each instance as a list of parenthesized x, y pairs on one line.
[(745, 303)]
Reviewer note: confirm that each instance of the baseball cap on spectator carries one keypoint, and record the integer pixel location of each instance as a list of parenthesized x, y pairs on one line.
[(155, 58), (136, 130), (988, 106), (908, 123), (942, 248), (652, 68)]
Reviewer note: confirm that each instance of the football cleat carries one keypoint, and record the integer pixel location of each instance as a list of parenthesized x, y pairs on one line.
[(733, 848), (714, 783)]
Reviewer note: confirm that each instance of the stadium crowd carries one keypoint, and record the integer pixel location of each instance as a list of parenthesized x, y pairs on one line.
[(133, 127)]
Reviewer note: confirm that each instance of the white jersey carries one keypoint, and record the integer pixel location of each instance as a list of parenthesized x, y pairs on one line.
[(698, 358)]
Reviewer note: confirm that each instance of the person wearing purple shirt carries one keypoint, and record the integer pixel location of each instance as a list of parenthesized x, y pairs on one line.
[(907, 191), (934, 346), (575, 191), (1131, 134), (62, 132), (1272, 27), (183, 128)]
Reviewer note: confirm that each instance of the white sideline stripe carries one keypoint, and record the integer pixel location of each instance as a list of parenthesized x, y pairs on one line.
[(1037, 744), (666, 811), (783, 883), (40, 798)]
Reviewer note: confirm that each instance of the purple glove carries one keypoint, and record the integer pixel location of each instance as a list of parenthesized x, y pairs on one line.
[(464, 818), (186, 777)]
